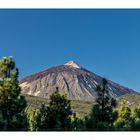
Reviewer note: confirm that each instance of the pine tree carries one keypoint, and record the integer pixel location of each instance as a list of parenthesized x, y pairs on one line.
[(136, 117), (102, 114), (32, 116), (12, 104), (124, 120), (77, 123), (56, 116), (41, 119)]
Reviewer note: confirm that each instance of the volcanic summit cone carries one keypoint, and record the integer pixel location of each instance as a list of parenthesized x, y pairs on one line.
[(71, 79)]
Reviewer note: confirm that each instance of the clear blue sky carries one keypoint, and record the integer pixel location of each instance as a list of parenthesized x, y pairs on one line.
[(106, 42)]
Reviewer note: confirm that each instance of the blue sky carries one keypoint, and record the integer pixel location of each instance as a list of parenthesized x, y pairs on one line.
[(106, 42)]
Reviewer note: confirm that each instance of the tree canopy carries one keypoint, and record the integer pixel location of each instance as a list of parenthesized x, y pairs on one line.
[(102, 114), (57, 115), (12, 104)]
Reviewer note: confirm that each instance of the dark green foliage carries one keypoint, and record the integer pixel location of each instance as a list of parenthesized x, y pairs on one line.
[(56, 116), (12, 104), (102, 115), (124, 121), (136, 117), (41, 119), (77, 123)]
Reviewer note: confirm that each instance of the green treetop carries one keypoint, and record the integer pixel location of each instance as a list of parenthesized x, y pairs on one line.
[(56, 116), (12, 103), (102, 114), (124, 120)]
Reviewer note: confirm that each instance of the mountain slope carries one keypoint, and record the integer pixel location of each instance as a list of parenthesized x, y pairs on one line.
[(77, 82)]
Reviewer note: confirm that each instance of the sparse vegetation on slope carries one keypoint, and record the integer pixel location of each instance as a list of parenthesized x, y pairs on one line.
[(82, 108), (133, 99)]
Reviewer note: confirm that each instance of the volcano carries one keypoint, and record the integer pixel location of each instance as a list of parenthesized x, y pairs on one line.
[(75, 81)]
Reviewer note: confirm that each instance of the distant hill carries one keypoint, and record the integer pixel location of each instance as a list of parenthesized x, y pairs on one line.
[(72, 79), (133, 99), (82, 108)]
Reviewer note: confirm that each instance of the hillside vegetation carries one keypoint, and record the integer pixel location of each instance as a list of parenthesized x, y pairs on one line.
[(133, 99), (82, 108)]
